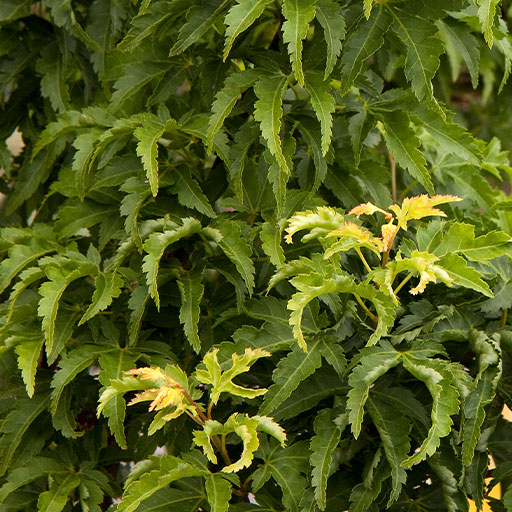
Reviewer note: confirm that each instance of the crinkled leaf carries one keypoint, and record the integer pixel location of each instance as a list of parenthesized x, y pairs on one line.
[(222, 381)]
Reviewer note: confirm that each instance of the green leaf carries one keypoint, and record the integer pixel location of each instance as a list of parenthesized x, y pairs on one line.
[(222, 381), (298, 14), (16, 423), (189, 192), (148, 134), (362, 496), (464, 45), (319, 223), (368, 4), (374, 362), (240, 17), (241, 425), (169, 499), (393, 430), (137, 305), (37, 468), (289, 373), (54, 500), (404, 144), (52, 291), (169, 470), (363, 41), (82, 214), (438, 379), (312, 286), (423, 50), (463, 275), (27, 277), (328, 14), (228, 235), (218, 490), (135, 76), (323, 105), (113, 406), (108, 287), (70, 366), (236, 84), (271, 243), (268, 111), (20, 256), (323, 443), (155, 246), (359, 126), (322, 384), (284, 466), (200, 19), (484, 390), (191, 291), (28, 354), (486, 13), (53, 80), (145, 24)]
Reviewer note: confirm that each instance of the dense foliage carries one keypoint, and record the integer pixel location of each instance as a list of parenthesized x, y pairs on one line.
[(282, 224)]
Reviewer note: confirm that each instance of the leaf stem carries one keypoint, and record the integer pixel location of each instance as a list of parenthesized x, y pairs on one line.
[(363, 259), (365, 307), (209, 413), (392, 163), (401, 285), (503, 319)]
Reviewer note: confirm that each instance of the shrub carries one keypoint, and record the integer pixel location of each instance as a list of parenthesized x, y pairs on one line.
[(263, 219)]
